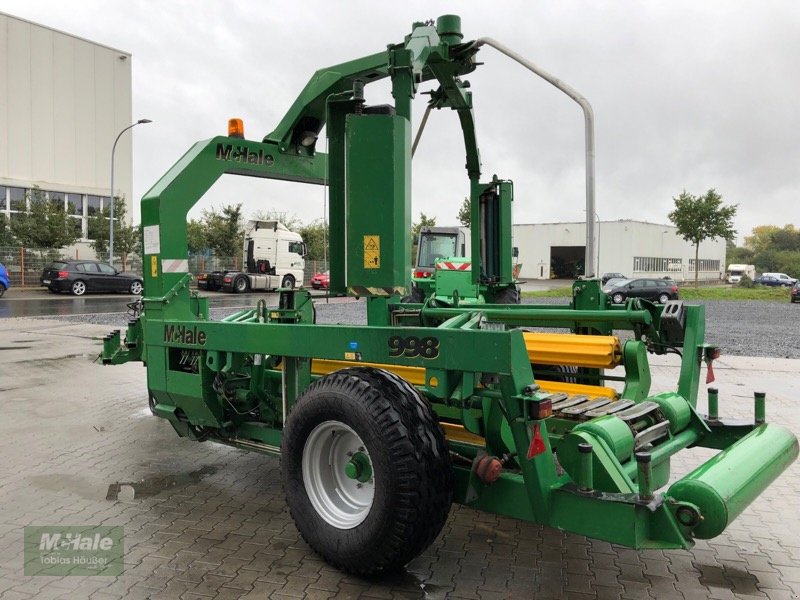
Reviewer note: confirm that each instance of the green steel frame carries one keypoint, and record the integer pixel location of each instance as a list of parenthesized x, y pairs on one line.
[(235, 381)]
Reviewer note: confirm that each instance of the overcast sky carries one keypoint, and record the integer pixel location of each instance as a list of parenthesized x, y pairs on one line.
[(686, 95)]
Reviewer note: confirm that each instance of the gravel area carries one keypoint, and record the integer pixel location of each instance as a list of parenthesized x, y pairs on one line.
[(741, 328)]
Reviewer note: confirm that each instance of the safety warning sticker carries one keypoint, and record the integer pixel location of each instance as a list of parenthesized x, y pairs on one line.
[(372, 252)]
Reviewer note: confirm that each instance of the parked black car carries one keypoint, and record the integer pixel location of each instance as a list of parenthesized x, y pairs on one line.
[(81, 276), (657, 290), (606, 276)]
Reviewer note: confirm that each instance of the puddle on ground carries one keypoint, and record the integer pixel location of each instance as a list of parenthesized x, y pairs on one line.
[(152, 486), (73, 484)]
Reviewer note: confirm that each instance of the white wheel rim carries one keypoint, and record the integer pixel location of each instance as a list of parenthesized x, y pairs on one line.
[(341, 501), (137, 288), (79, 287)]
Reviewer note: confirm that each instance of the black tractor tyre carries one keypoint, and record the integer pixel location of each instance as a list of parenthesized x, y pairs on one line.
[(509, 295), (288, 282), (415, 297), (240, 284), (410, 466)]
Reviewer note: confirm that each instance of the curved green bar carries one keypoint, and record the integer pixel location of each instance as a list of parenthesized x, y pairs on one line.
[(725, 485)]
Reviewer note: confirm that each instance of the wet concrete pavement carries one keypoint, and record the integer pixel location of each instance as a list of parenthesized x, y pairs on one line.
[(38, 302), (41, 303), (203, 521)]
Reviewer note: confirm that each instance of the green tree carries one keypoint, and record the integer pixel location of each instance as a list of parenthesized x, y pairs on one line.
[(699, 218), (738, 255), (6, 237), (127, 237), (224, 230), (775, 248), (761, 238), (786, 238), (196, 236), (465, 213), (45, 225), (315, 235)]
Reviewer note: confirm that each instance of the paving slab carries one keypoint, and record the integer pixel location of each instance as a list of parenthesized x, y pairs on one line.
[(201, 520)]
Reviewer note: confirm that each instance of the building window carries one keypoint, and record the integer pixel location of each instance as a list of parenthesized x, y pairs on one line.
[(94, 204), (75, 204), (77, 225), (3, 201), (56, 199), (17, 199), (656, 264), (706, 264)]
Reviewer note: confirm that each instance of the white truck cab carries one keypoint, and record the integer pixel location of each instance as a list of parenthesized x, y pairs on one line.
[(274, 255)]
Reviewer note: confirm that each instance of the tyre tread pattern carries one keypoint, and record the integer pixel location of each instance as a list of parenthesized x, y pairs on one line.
[(420, 459)]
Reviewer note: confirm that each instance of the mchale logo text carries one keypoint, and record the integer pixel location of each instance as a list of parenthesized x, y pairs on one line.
[(70, 541)]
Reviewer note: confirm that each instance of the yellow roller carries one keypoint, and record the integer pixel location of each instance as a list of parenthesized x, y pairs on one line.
[(596, 351), (416, 376)]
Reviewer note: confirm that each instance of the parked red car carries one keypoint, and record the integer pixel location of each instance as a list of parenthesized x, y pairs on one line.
[(321, 281)]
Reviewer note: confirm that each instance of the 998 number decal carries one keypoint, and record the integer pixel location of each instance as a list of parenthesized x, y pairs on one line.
[(427, 347)]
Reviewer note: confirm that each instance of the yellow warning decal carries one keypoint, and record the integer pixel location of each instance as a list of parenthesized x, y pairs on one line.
[(154, 266), (372, 252)]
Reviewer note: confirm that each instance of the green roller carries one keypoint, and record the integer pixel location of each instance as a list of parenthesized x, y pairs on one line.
[(614, 432), (725, 485)]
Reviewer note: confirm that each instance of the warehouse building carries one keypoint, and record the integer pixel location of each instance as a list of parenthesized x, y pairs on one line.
[(634, 248), (63, 100)]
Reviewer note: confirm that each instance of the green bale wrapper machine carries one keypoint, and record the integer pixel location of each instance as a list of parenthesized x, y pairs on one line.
[(381, 427)]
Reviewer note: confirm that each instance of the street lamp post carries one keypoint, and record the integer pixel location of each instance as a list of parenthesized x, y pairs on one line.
[(111, 197)]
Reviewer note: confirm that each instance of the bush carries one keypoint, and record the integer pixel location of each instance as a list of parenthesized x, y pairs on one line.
[(746, 282)]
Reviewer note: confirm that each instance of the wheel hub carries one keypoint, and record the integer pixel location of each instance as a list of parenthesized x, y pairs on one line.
[(338, 475)]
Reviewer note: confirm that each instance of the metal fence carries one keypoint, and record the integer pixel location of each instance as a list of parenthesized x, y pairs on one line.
[(25, 265)]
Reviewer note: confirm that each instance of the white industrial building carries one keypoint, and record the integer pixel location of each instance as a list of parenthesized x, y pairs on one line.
[(63, 100), (634, 248)]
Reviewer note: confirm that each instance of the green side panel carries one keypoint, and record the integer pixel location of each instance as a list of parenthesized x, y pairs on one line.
[(725, 485), (609, 476), (506, 197), (378, 202)]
